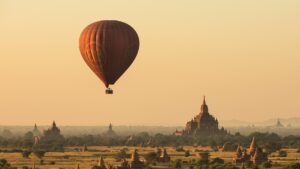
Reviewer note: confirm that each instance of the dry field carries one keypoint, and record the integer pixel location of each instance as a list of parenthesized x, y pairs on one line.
[(69, 158)]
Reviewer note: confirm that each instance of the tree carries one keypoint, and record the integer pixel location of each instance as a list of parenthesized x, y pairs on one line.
[(282, 153), (122, 154), (271, 147), (294, 166), (26, 153), (204, 159), (187, 153), (150, 157), (52, 140), (267, 164), (217, 161), (28, 140), (5, 165), (178, 164), (7, 133), (39, 153)]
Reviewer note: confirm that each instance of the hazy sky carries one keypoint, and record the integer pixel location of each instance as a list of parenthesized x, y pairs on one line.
[(243, 55)]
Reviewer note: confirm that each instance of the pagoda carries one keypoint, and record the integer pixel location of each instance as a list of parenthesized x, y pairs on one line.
[(259, 157), (253, 147), (53, 130), (110, 132), (279, 124), (36, 135), (101, 164), (203, 124), (135, 162), (254, 155), (124, 164), (36, 131), (238, 157), (164, 156)]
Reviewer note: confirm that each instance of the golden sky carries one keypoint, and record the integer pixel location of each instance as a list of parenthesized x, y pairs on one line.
[(243, 55)]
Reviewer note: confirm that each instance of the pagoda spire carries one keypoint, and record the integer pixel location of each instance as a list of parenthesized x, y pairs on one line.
[(135, 155), (101, 163), (110, 126), (77, 165), (204, 107), (252, 147), (54, 124)]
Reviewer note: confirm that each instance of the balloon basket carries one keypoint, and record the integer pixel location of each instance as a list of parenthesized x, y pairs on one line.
[(109, 91)]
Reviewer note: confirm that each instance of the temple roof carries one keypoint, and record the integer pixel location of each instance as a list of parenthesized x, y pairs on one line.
[(36, 131), (54, 127), (101, 163), (204, 107), (110, 126), (164, 153), (253, 145), (135, 156), (279, 124), (110, 132), (239, 151)]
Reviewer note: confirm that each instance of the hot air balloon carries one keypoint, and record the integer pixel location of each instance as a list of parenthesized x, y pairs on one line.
[(109, 47)]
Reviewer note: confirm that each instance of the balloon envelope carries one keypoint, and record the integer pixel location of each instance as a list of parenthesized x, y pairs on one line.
[(109, 47)]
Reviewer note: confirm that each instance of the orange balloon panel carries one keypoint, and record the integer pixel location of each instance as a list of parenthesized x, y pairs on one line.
[(109, 47)]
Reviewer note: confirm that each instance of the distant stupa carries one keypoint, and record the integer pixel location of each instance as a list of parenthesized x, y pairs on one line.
[(36, 131), (101, 163), (110, 132), (278, 124), (36, 135)]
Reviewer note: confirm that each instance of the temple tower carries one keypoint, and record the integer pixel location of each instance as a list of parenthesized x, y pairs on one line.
[(253, 147), (135, 162), (101, 163)]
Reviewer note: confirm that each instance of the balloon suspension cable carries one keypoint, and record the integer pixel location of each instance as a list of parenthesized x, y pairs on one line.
[(109, 91)]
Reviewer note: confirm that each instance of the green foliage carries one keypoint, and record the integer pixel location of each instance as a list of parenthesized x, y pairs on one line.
[(178, 163), (294, 166), (150, 157), (204, 159), (267, 164), (180, 149), (217, 161), (187, 153), (282, 153), (271, 146), (28, 140), (26, 153), (122, 154), (51, 141), (41, 162), (5, 165), (39, 153)]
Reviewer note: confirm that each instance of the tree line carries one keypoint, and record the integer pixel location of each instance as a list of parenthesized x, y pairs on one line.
[(269, 141)]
